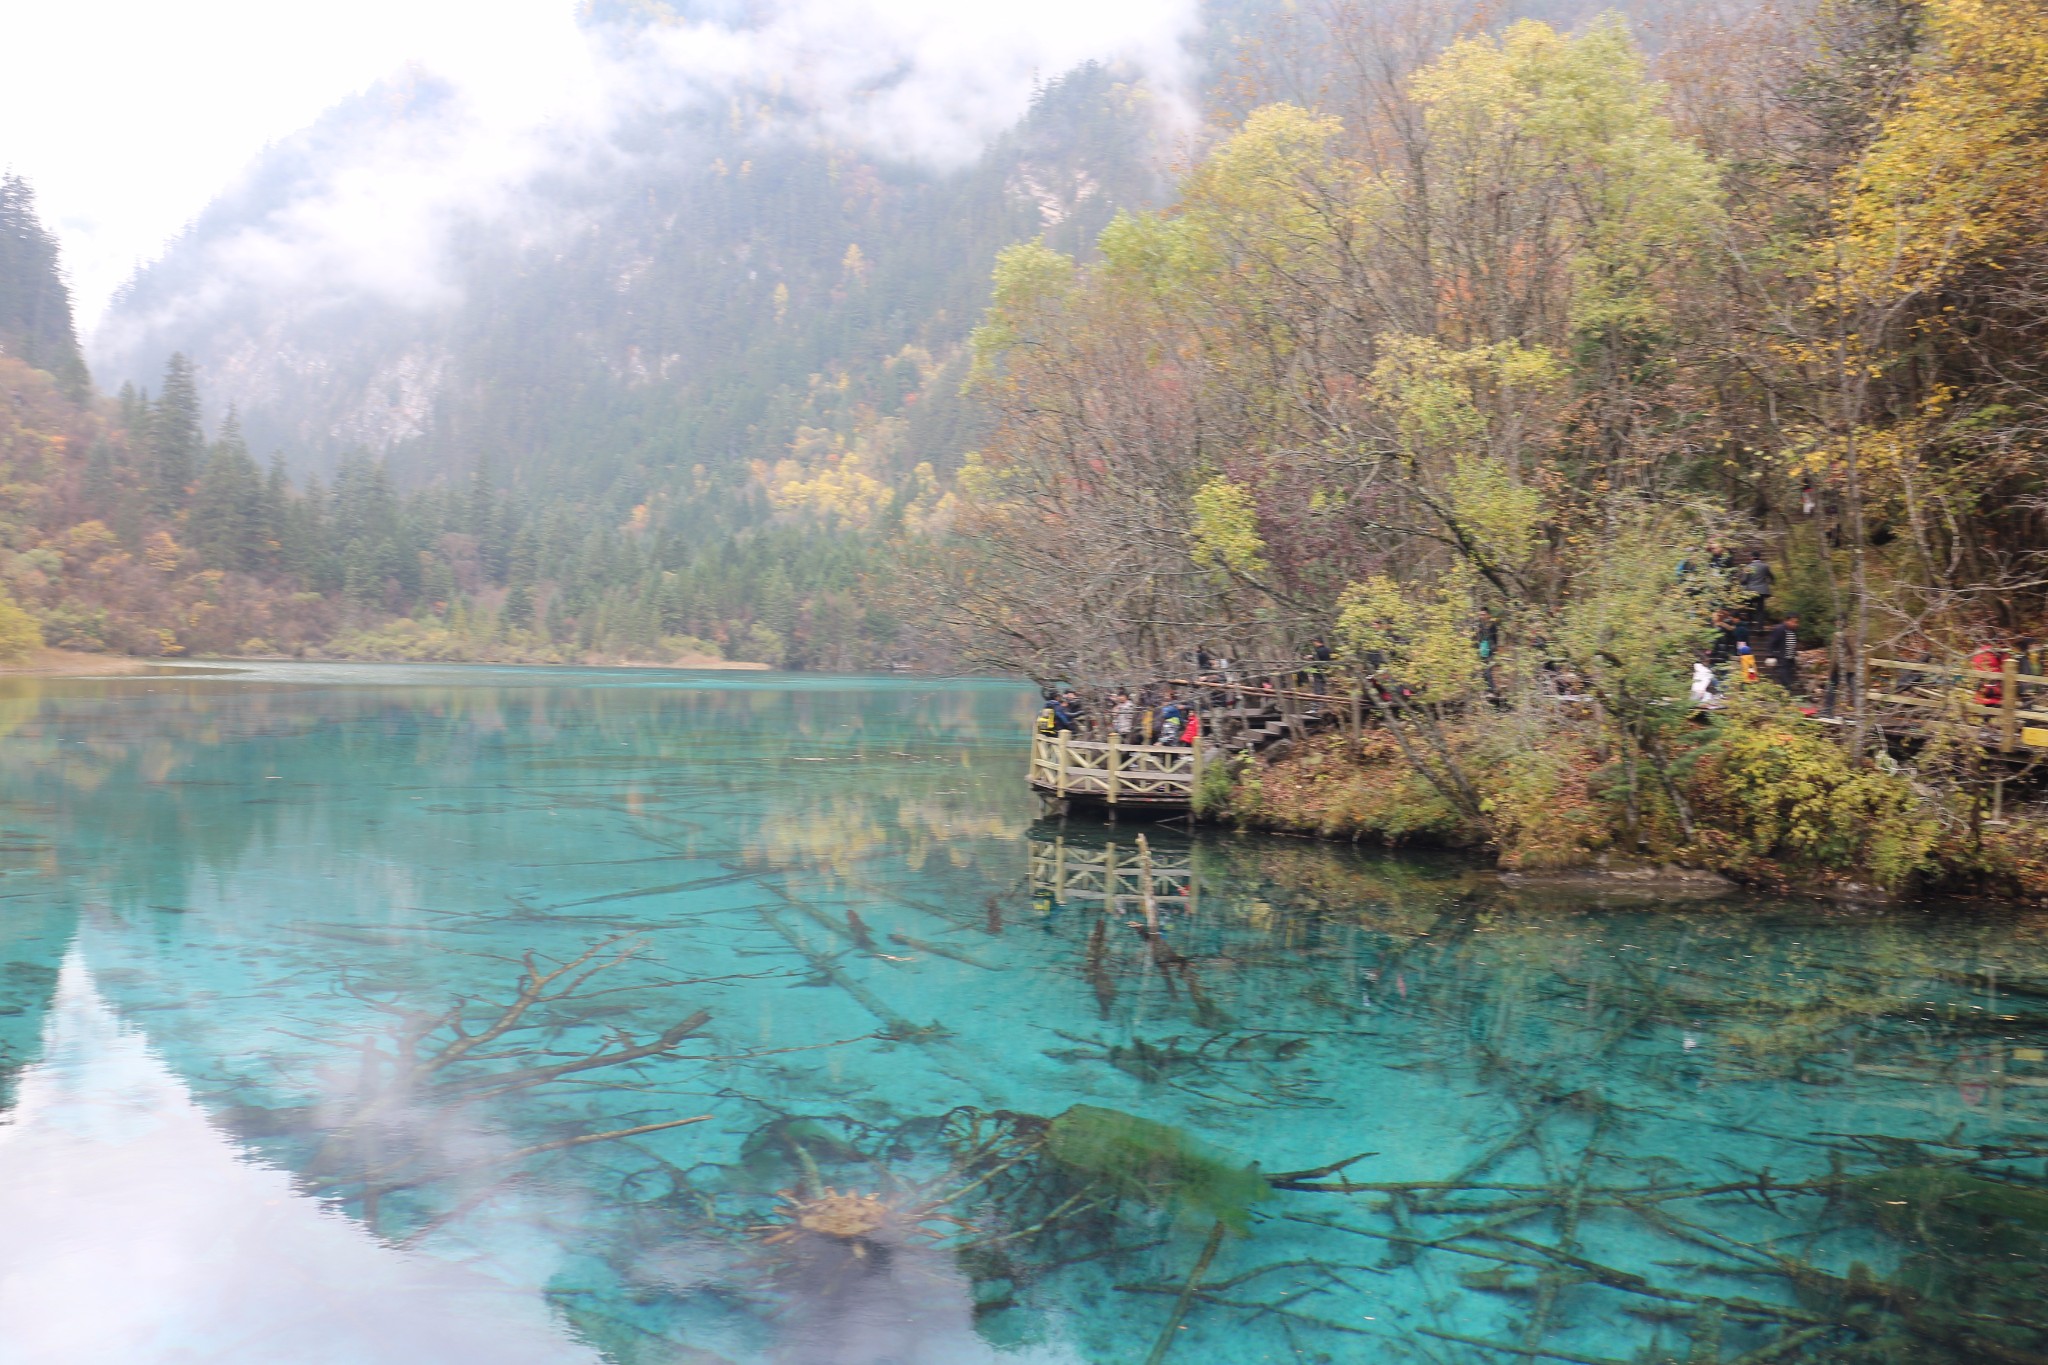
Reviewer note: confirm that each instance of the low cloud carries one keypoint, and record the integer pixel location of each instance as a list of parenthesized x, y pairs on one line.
[(369, 204), (925, 80)]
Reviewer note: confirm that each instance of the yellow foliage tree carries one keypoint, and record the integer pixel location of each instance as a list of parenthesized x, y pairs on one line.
[(20, 636), (1957, 173), (1225, 534)]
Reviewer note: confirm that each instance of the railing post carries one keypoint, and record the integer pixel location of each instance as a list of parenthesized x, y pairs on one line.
[(1061, 783), (1195, 767), (1115, 764), (2009, 705)]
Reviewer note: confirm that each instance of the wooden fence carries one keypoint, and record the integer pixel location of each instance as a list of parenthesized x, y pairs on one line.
[(1162, 777), (1115, 773)]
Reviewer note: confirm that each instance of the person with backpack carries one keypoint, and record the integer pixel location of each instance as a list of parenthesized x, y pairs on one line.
[(1056, 718), (1172, 720)]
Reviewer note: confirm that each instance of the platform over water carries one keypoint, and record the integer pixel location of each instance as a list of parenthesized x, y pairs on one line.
[(1160, 777)]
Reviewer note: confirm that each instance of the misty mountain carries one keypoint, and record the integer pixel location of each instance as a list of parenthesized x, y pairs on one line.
[(672, 367), (700, 289)]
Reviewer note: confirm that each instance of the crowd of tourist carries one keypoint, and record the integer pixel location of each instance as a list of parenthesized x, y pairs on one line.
[(1153, 714), (1751, 644)]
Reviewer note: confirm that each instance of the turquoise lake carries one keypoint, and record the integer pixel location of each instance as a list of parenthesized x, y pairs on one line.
[(406, 1014)]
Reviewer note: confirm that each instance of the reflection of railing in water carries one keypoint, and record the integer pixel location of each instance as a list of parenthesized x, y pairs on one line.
[(1124, 879), (1117, 774)]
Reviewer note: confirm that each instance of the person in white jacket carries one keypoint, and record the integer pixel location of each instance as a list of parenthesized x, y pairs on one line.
[(1703, 685)]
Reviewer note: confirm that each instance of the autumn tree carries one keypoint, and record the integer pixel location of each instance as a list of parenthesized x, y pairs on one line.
[(1410, 340)]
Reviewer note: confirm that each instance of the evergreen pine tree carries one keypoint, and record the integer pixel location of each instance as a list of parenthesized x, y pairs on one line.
[(227, 520), (35, 304), (177, 441), (519, 607), (276, 519)]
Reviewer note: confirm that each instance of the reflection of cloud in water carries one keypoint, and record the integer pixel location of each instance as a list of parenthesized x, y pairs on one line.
[(131, 1229), (907, 1306)]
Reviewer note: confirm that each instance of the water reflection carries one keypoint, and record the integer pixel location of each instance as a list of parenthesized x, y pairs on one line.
[(752, 1020), (137, 1230)]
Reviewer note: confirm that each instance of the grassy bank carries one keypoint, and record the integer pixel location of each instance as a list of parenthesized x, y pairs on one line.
[(1756, 793), (68, 663)]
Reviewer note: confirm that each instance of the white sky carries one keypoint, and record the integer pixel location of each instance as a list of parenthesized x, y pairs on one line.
[(128, 116)]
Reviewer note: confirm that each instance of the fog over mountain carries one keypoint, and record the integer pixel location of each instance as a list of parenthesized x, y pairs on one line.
[(676, 163)]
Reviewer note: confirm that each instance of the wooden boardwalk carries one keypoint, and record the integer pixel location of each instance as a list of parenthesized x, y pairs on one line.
[(1159, 777), (1245, 715), (1948, 697), (1909, 700)]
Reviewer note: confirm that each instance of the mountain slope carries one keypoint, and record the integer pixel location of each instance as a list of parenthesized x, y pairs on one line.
[(35, 306), (700, 300)]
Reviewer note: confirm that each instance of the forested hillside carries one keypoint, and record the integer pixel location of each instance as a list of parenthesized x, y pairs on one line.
[(709, 362), (36, 326), (708, 388), (1531, 380), (693, 427), (128, 531), (128, 528)]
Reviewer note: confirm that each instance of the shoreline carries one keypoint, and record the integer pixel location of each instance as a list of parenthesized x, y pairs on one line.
[(71, 663), (692, 663), (1349, 791)]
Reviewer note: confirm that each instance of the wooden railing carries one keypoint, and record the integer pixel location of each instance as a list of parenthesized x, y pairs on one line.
[(1131, 879), (1342, 702), (1957, 699), (1115, 773)]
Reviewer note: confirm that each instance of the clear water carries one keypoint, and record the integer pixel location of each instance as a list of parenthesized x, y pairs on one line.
[(243, 915)]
